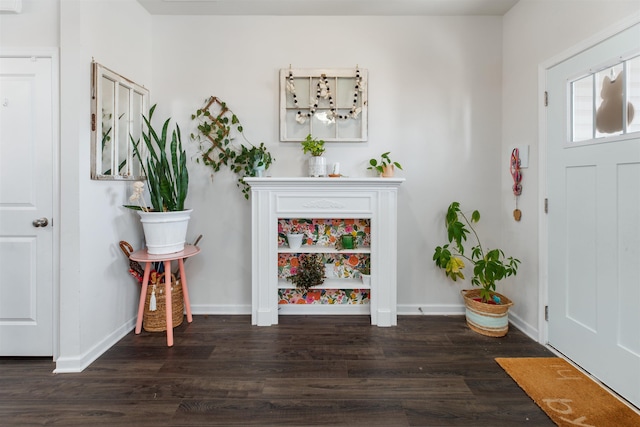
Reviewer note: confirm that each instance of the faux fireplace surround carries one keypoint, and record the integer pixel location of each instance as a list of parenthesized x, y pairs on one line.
[(374, 199)]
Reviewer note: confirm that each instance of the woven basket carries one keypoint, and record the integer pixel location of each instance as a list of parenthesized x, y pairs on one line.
[(491, 320), (156, 321)]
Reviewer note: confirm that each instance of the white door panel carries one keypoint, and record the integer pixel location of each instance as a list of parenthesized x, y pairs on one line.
[(594, 233), (26, 194)]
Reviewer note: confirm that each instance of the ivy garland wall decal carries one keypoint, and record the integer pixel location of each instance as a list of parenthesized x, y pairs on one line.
[(328, 103)]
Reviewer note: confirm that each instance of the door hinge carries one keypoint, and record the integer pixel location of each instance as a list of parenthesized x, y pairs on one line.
[(93, 122), (546, 205), (546, 98), (546, 313)]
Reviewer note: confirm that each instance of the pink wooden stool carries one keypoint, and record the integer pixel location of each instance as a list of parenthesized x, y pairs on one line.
[(147, 259)]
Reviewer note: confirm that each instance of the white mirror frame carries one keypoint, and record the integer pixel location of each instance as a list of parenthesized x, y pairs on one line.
[(117, 106)]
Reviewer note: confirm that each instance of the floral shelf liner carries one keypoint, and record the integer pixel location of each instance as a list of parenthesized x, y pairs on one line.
[(344, 265), (324, 232), (323, 296), (338, 266)]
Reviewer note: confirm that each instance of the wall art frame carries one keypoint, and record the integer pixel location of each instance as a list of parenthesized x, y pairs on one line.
[(329, 103)]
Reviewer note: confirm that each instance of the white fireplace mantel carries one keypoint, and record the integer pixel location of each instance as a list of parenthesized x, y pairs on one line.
[(372, 198)]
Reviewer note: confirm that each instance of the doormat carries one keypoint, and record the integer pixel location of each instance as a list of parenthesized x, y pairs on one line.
[(569, 397)]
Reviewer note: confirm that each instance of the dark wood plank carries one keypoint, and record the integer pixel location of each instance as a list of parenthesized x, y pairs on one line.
[(315, 370)]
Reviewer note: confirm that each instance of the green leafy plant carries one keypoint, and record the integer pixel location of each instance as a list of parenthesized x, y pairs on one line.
[(165, 166), (311, 272), (489, 266), (248, 161), (385, 161), (313, 145), (366, 267), (216, 124)]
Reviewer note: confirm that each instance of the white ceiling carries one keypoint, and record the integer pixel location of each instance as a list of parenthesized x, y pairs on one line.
[(328, 7)]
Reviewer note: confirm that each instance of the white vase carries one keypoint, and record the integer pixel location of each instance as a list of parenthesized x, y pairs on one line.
[(329, 270), (317, 166), (165, 232), (366, 279), (294, 240)]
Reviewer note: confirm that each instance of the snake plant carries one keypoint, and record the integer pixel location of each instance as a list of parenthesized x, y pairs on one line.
[(166, 170)]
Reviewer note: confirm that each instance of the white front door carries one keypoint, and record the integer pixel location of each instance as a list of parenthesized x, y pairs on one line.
[(594, 215), (26, 207)]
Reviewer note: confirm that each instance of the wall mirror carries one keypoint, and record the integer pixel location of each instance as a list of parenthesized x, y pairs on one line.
[(117, 106)]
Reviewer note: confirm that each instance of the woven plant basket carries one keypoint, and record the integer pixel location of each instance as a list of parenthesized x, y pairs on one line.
[(491, 320), (156, 321)]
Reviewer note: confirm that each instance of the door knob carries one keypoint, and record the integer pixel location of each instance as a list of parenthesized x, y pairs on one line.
[(40, 222)]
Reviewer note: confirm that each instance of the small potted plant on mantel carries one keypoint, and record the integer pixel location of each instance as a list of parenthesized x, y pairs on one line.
[(385, 166), (165, 166), (317, 163), (487, 310)]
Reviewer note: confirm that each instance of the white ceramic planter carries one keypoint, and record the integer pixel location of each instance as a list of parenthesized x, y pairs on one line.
[(165, 232), (317, 166), (295, 240)]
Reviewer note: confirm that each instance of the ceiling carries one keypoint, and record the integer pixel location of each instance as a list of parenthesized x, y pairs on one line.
[(328, 7)]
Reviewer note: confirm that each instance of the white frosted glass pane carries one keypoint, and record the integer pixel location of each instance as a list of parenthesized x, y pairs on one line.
[(582, 109), (108, 122), (123, 130), (295, 129), (633, 94), (323, 127)]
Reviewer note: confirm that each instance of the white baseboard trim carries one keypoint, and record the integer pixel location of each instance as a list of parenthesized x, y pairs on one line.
[(526, 328), (220, 309), (78, 363), (430, 309)]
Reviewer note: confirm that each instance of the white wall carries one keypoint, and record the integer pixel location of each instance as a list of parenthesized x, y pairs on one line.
[(434, 101), (97, 296), (35, 26), (534, 32), (438, 101)]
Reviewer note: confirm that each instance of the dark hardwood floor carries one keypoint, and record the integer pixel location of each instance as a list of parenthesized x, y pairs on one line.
[(317, 370)]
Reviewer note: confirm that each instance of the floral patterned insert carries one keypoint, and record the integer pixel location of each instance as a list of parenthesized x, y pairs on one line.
[(324, 232), (338, 265), (341, 265), (323, 296)]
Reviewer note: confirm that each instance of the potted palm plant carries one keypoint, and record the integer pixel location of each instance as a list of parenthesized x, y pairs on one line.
[(486, 310), (165, 166)]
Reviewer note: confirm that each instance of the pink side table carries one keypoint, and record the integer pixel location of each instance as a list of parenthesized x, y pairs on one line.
[(148, 259)]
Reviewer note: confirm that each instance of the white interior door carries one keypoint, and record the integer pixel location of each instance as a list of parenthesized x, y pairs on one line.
[(26, 195), (594, 218)]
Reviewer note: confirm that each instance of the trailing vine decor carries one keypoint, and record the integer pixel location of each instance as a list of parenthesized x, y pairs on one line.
[(216, 124), (323, 90)]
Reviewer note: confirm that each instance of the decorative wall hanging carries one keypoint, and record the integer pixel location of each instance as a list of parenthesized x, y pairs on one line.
[(331, 104)]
